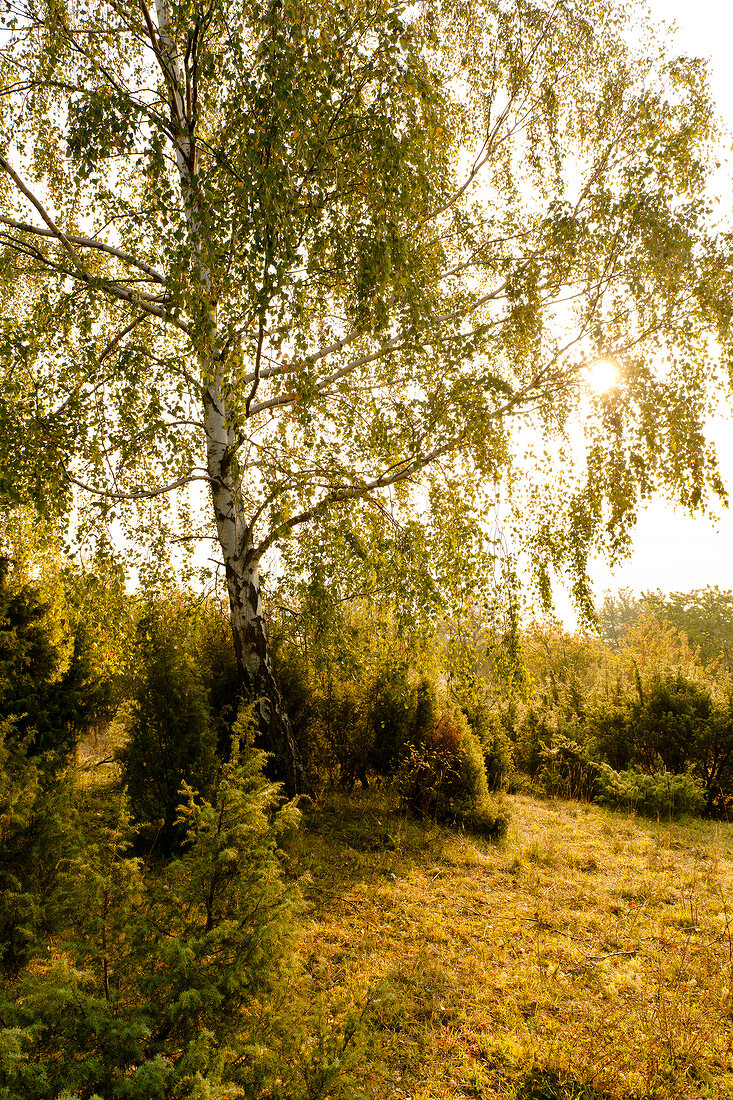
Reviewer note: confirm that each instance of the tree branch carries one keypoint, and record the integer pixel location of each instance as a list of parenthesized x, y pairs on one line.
[(87, 242), (395, 344), (256, 378), (488, 146), (149, 305), (54, 230), (330, 349), (399, 472), (136, 494)]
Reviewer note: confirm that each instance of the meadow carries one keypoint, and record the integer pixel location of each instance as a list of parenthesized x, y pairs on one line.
[(586, 956)]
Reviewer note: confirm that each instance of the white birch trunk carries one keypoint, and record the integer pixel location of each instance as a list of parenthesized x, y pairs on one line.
[(251, 645)]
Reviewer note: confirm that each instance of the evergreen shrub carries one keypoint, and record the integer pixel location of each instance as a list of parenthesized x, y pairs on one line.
[(34, 810), (668, 722), (48, 686), (175, 980), (351, 727), (163, 984), (495, 744), (211, 649), (661, 794), (443, 777), (170, 736), (533, 728), (569, 766)]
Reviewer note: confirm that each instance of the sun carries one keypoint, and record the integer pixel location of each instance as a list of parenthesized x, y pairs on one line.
[(602, 376)]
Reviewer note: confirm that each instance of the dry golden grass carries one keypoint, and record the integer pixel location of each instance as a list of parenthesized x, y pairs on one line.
[(587, 956)]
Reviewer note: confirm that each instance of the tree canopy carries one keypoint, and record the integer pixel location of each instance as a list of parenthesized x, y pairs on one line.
[(320, 259)]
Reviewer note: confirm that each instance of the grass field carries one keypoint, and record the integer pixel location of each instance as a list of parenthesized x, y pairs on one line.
[(588, 955)]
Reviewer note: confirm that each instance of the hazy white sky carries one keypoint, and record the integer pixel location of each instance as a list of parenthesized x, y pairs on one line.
[(673, 551)]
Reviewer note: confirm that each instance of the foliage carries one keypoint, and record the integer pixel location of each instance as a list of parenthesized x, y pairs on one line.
[(362, 710), (212, 653), (532, 727), (173, 983), (496, 746), (443, 777), (643, 705), (572, 768), (352, 685), (50, 693), (667, 721), (97, 597), (660, 794), (704, 616), (48, 684), (569, 768), (324, 282), (714, 756), (34, 810), (170, 738)]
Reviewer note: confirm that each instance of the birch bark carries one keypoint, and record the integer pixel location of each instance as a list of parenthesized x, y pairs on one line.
[(241, 562)]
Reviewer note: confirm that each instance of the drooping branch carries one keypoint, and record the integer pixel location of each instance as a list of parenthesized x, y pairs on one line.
[(135, 494), (532, 391)]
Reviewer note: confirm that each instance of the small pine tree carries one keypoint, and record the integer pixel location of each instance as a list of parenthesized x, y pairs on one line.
[(166, 983), (171, 739), (49, 689)]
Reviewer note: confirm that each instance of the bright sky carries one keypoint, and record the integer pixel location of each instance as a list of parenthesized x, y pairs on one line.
[(672, 550)]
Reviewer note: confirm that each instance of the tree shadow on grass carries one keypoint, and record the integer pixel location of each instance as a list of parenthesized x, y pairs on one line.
[(363, 837)]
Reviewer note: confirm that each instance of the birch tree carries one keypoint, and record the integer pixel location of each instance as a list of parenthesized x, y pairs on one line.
[(319, 257)]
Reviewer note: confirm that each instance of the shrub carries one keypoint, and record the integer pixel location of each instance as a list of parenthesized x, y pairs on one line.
[(312, 737), (49, 689), (569, 768), (166, 982), (212, 652), (443, 777), (533, 730), (609, 724), (349, 728), (176, 980), (171, 739), (661, 794), (668, 722), (714, 759), (495, 744), (398, 715), (34, 809)]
